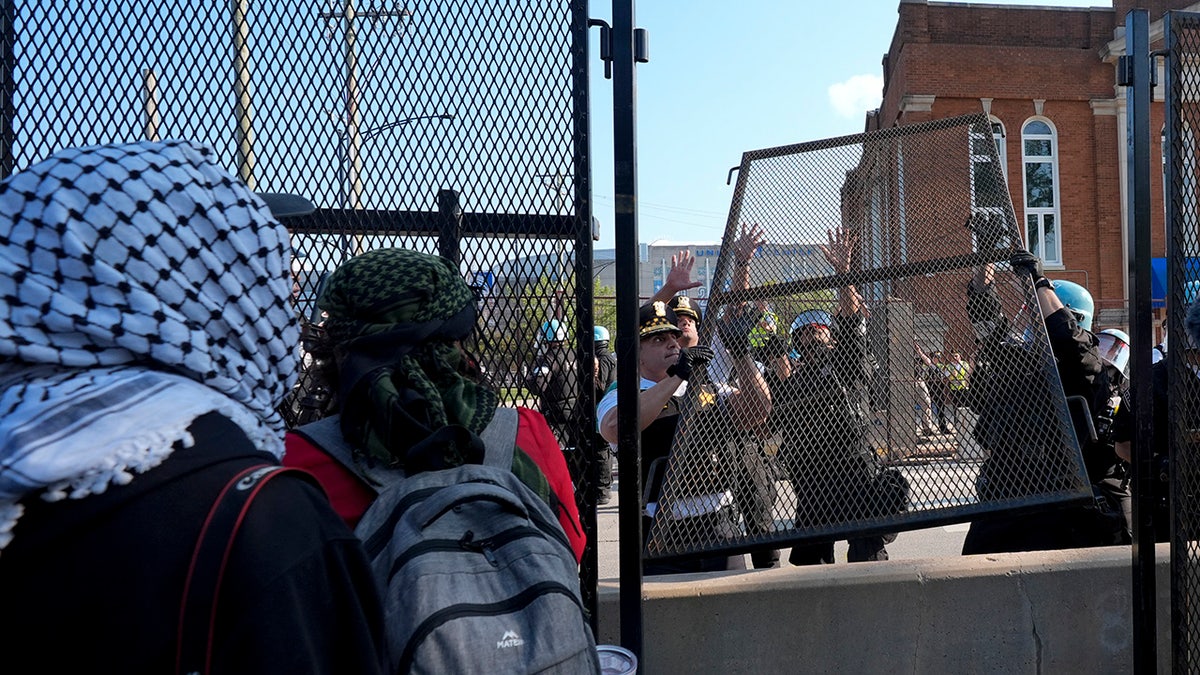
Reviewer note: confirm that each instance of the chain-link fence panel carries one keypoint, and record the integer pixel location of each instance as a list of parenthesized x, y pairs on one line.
[(1176, 387), (458, 128), (878, 363)]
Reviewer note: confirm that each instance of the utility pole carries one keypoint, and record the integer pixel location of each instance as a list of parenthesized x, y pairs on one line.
[(241, 95), (349, 16), (559, 182)]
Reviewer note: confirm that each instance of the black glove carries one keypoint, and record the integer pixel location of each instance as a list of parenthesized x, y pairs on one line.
[(772, 348), (735, 332), (691, 360), (1024, 261)]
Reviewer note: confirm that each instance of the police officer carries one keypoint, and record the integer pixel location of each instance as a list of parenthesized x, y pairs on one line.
[(741, 456), (553, 379), (605, 376), (1067, 310), (688, 316), (666, 370), (818, 409)]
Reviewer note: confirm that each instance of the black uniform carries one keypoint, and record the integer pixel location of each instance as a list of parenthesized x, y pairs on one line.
[(606, 374), (819, 411), (554, 378), (1003, 363), (656, 440)]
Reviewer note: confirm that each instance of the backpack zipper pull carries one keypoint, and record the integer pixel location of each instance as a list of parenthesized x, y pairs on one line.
[(485, 547)]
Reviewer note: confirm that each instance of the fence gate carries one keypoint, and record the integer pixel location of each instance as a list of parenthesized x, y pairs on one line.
[(1177, 415), (881, 291), (457, 127)]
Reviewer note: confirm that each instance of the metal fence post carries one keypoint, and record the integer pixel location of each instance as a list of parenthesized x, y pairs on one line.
[(626, 224), (1135, 74)]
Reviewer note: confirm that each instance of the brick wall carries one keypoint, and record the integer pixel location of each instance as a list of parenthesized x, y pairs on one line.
[(960, 54)]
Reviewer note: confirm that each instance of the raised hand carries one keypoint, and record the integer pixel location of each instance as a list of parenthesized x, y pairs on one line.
[(839, 250), (749, 240), (679, 279)]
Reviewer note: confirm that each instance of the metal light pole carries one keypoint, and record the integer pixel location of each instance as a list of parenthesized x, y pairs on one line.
[(241, 95), (350, 153)]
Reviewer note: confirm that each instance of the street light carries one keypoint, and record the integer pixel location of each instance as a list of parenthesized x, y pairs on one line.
[(350, 170)]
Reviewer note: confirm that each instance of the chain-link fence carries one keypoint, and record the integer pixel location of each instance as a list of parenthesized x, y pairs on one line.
[(452, 127), (899, 371), (1176, 387)]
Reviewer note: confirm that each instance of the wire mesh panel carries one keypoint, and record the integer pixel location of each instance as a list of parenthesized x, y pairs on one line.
[(909, 373), (1178, 408), (458, 128)]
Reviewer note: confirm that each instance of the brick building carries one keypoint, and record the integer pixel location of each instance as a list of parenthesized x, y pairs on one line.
[(1046, 77)]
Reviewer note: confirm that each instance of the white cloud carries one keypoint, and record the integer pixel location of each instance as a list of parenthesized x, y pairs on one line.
[(854, 97)]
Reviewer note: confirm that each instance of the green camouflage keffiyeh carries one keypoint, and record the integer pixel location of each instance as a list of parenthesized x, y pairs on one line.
[(394, 316)]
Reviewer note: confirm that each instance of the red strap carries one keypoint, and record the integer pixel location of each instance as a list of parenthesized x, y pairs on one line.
[(198, 608)]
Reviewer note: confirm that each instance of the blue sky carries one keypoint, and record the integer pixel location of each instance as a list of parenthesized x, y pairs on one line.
[(728, 77)]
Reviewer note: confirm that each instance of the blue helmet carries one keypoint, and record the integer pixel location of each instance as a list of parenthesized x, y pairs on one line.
[(554, 331), (600, 334), (1189, 291), (812, 317), (1077, 299), (1114, 347)]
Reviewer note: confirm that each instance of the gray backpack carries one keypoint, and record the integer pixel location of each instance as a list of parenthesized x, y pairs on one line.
[(476, 572)]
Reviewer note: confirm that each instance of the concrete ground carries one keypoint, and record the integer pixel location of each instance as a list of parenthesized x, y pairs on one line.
[(936, 542)]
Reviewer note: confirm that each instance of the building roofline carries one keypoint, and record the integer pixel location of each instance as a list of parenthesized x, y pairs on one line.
[(1116, 46)]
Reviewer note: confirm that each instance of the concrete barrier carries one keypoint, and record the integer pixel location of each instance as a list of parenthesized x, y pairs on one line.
[(1045, 612)]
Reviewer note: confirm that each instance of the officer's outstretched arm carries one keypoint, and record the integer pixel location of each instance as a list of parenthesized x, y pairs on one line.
[(650, 404)]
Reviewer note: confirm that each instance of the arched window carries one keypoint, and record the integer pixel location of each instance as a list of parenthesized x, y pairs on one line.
[(1039, 158)]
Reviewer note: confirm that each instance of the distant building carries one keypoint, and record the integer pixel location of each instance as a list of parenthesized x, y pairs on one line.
[(789, 261), (1046, 77)]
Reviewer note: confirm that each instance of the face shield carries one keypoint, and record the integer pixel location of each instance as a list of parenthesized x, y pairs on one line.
[(1114, 348)]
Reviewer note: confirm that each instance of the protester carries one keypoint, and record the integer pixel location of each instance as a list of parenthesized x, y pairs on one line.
[(147, 340), (404, 382), (922, 365)]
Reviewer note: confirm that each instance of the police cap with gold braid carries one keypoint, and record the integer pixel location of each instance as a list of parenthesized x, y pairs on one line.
[(684, 306), (655, 318)]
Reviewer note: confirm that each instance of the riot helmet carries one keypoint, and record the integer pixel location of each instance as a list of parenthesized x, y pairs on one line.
[(812, 317), (553, 331), (1076, 299), (810, 327), (1114, 347), (599, 334)]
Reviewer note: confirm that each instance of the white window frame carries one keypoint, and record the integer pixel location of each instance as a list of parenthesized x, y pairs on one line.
[(1000, 137), (1038, 247), (997, 128)]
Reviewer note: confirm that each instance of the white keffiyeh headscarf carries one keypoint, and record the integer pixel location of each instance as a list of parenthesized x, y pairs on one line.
[(141, 286)]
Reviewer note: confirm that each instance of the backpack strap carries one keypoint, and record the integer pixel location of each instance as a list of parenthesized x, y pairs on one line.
[(326, 435), (499, 438), (201, 588)]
